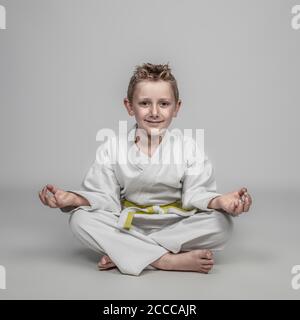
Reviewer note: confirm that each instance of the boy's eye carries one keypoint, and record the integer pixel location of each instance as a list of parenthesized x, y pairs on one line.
[(144, 103)]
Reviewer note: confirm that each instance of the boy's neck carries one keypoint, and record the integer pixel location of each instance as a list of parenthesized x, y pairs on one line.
[(145, 139), (154, 140)]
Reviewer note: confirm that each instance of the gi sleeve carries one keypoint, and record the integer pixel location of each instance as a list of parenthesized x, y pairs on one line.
[(199, 184), (100, 185)]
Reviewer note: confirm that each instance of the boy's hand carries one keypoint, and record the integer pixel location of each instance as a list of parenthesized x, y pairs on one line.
[(233, 203), (59, 198)]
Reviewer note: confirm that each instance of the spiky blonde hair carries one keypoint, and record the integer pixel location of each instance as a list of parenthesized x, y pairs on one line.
[(152, 72)]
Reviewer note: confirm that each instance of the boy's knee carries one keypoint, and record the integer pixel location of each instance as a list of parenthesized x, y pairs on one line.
[(78, 220), (223, 226)]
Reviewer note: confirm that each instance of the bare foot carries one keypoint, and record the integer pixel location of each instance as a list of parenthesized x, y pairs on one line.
[(195, 260), (105, 263)]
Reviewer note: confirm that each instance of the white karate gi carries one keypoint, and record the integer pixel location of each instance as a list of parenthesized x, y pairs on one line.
[(110, 179)]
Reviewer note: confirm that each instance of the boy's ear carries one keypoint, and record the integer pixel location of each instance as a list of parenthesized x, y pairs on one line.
[(177, 107), (128, 106)]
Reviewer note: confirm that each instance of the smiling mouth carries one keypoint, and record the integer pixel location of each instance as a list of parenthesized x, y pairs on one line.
[(154, 121)]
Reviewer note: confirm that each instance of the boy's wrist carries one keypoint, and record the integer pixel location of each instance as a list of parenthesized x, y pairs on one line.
[(214, 203), (78, 200)]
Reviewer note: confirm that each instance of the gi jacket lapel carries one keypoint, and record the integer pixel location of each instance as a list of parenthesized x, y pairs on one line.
[(149, 166)]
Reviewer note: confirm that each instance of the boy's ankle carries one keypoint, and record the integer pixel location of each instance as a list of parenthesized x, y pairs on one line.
[(164, 262)]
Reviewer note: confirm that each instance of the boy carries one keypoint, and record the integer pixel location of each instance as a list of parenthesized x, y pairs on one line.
[(150, 216)]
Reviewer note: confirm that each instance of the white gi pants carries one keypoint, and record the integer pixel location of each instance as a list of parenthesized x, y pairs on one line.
[(148, 239)]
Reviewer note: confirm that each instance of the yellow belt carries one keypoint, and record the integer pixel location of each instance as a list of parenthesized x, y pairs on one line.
[(147, 210)]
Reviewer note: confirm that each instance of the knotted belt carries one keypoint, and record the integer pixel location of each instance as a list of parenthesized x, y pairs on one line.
[(130, 209)]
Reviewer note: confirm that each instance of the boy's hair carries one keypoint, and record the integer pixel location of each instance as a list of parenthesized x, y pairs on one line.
[(152, 72)]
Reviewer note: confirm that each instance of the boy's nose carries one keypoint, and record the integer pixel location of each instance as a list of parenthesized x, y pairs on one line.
[(154, 111)]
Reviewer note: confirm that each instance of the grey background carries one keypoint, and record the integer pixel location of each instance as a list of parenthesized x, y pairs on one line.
[(64, 71)]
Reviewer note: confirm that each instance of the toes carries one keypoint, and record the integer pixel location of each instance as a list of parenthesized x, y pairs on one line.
[(107, 266), (206, 268), (104, 260), (206, 254), (209, 254), (207, 261), (106, 263)]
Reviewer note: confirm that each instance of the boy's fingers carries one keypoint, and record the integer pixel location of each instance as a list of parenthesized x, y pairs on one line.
[(43, 194), (46, 199), (41, 198), (239, 208), (242, 191), (232, 207), (51, 202), (52, 188), (249, 198), (246, 206), (248, 203)]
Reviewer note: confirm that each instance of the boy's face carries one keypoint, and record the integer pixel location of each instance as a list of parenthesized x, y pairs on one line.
[(153, 105)]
